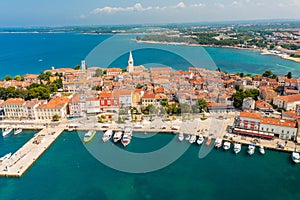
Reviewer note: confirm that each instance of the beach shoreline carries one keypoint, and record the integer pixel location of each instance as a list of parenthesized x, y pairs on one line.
[(261, 51)]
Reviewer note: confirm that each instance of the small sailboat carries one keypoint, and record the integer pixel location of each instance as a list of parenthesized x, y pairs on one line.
[(226, 145), (237, 148), (18, 131), (107, 135), (118, 136), (6, 131), (251, 149), (180, 137), (218, 143), (200, 139), (89, 136), (261, 149)]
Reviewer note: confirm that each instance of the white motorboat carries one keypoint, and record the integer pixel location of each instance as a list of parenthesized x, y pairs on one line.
[(6, 131), (200, 139), (226, 145), (107, 135), (126, 136), (261, 149), (180, 137), (251, 149), (18, 131), (188, 137), (5, 157), (237, 148), (118, 136), (218, 143), (193, 139), (296, 157)]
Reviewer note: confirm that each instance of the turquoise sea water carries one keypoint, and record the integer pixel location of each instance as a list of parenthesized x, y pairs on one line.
[(68, 171), (31, 53)]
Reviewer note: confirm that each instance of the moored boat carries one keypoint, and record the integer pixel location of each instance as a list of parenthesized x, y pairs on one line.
[(208, 141), (218, 143), (261, 149), (107, 135), (118, 136), (5, 157), (200, 139), (192, 139), (89, 136), (18, 131), (226, 145), (295, 157), (188, 137), (6, 131), (126, 136), (237, 147), (180, 137), (251, 149)]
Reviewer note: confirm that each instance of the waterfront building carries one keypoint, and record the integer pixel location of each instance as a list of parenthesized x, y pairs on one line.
[(14, 108), (92, 105), (56, 106), (108, 101), (249, 120), (284, 129), (148, 99), (287, 102), (30, 108), (75, 106), (124, 96)]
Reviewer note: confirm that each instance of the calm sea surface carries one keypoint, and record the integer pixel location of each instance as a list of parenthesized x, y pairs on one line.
[(68, 171)]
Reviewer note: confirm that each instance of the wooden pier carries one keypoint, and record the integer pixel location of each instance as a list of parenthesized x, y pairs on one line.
[(21, 160)]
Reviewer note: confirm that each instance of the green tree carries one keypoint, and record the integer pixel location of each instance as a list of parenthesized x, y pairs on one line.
[(139, 86), (202, 104), (99, 72), (55, 117), (77, 67), (17, 78), (7, 78), (289, 75), (40, 92)]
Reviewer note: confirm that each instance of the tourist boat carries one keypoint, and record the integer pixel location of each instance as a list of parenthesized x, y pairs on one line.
[(226, 145), (107, 135), (192, 139), (126, 136), (18, 131), (261, 149), (180, 137), (251, 149), (118, 136), (296, 157), (218, 143), (237, 147), (208, 141), (5, 157), (200, 139), (89, 136), (6, 131)]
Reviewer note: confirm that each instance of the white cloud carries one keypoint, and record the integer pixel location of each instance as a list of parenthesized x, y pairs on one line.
[(139, 7), (82, 16), (219, 5)]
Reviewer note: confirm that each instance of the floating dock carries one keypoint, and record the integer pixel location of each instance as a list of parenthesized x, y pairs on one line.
[(21, 160)]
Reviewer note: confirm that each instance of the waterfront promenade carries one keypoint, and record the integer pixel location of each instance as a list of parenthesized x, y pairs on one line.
[(21, 160)]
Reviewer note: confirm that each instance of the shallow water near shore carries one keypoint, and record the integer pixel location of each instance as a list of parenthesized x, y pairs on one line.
[(67, 170)]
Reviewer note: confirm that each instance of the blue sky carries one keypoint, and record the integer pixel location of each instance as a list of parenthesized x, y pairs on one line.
[(91, 12)]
